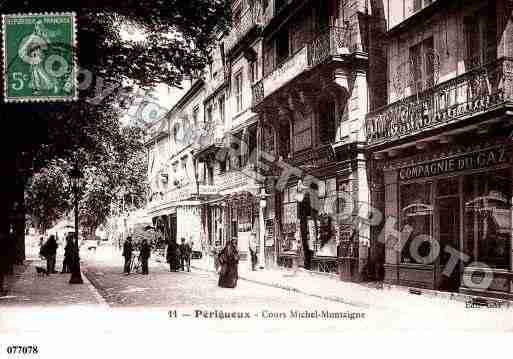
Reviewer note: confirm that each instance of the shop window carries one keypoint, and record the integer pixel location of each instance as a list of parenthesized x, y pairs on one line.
[(487, 198), (448, 187), (327, 206), (289, 219), (234, 222), (417, 212)]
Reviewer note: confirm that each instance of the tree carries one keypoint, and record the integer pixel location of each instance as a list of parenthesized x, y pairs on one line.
[(48, 196), (177, 37)]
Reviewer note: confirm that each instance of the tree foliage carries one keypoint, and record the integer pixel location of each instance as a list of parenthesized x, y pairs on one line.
[(40, 136), (117, 167), (48, 197)]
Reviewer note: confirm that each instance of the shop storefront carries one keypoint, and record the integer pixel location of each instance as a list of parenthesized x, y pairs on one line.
[(453, 207), (315, 225)]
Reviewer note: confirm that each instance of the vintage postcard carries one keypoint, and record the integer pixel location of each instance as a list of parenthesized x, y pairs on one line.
[(321, 174)]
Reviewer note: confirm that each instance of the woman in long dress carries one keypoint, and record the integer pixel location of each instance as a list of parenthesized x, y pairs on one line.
[(229, 262), (172, 256)]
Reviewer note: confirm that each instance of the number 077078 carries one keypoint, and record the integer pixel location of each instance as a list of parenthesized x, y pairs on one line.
[(22, 349)]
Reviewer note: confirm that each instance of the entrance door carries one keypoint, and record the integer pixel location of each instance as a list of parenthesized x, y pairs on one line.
[(449, 234)]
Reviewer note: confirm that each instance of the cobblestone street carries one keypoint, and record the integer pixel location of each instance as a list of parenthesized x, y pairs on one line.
[(196, 288), (113, 301)]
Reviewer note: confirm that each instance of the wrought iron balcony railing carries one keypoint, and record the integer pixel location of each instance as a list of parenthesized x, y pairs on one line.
[(248, 20), (335, 41), (474, 92)]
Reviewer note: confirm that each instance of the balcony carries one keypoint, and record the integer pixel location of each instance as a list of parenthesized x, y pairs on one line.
[(250, 19), (476, 92), (333, 44)]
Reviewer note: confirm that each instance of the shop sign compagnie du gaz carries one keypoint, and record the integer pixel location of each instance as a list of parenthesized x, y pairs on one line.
[(469, 161)]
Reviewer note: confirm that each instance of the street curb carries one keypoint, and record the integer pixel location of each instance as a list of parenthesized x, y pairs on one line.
[(296, 290), (428, 294), (95, 292)]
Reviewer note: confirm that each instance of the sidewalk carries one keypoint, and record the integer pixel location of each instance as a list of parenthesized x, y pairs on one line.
[(363, 295), (26, 288)]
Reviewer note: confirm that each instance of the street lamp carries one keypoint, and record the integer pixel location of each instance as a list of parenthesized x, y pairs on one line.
[(300, 196), (76, 277), (262, 205)]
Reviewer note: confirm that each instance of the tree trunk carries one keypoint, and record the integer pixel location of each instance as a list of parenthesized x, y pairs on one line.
[(7, 191), (19, 220)]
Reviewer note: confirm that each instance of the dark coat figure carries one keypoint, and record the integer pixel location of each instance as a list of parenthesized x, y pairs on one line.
[(127, 253), (185, 255), (173, 256), (68, 255), (49, 251), (144, 255), (229, 262)]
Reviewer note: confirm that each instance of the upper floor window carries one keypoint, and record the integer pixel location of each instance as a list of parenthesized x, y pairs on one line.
[(279, 4), (282, 46), (222, 110), (210, 174), (184, 164), (323, 15), (237, 16), (253, 70), (251, 139), (236, 155), (209, 114), (327, 121), (480, 30), (176, 130), (419, 4), (238, 90), (195, 114), (422, 65)]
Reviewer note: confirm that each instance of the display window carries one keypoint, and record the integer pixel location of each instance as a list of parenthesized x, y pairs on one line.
[(487, 198), (416, 212)]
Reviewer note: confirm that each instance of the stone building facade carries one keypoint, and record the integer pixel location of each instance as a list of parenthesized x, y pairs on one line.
[(441, 147)]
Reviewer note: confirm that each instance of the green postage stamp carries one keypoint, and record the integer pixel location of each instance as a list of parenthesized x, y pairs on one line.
[(39, 57)]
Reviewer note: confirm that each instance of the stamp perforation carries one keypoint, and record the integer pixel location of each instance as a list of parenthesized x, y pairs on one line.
[(74, 60)]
